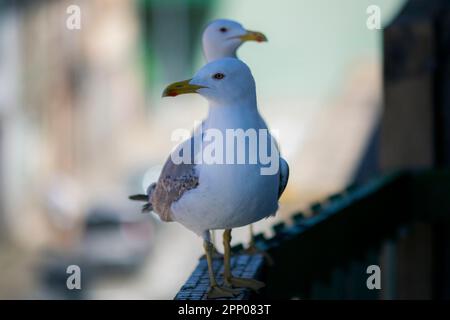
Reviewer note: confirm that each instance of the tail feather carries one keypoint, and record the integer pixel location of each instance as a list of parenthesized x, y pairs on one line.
[(138, 197), (147, 207)]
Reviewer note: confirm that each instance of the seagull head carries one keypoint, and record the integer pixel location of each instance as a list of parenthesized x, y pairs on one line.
[(223, 37), (223, 82)]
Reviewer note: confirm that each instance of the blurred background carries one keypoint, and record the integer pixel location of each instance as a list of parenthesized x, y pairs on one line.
[(82, 126)]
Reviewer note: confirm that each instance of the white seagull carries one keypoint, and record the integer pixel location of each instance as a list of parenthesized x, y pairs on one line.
[(221, 39), (204, 195)]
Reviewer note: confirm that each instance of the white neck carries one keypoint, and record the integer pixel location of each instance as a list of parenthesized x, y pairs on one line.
[(233, 103), (242, 115), (212, 54)]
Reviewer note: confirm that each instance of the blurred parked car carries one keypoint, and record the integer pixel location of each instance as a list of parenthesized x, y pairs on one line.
[(116, 241)]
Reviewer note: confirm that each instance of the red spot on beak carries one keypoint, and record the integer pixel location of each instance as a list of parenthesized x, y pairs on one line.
[(259, 39)]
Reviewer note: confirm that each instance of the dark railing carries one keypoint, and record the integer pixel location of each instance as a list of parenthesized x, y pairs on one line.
[(326, 255)]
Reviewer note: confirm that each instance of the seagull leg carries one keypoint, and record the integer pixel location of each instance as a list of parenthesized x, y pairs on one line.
[(229, 280), (215, 291), (216, 253), (251, 243), (253, 249)]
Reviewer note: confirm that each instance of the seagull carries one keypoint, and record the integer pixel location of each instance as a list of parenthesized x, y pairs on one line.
[(210, 195), (221, 39)]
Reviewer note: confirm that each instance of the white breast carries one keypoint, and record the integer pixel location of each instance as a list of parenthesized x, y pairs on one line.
[(228, 195)]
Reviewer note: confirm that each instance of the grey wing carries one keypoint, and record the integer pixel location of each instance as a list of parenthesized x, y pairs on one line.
[(175, 179), (284, 167), (284, 176)]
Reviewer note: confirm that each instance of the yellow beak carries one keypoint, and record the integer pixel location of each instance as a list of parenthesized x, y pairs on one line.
[(253, 36), (180, 87)]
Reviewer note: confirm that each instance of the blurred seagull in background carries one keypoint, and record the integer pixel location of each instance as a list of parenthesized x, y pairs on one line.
[(208, 196), (221, 39)]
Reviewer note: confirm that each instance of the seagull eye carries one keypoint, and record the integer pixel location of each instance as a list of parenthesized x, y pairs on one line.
[(223, 29), (218, 76)]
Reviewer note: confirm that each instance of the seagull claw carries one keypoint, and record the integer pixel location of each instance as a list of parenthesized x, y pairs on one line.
[(253, 284), (216, 292), (253, 249)]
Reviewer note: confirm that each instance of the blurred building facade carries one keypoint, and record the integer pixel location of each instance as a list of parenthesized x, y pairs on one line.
[(63, 117)]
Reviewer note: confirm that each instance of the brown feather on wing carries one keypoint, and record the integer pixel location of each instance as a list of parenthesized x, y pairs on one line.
[(174, 181)]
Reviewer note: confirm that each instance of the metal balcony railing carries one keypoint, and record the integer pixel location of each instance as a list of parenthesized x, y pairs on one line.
[(326, 255)]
